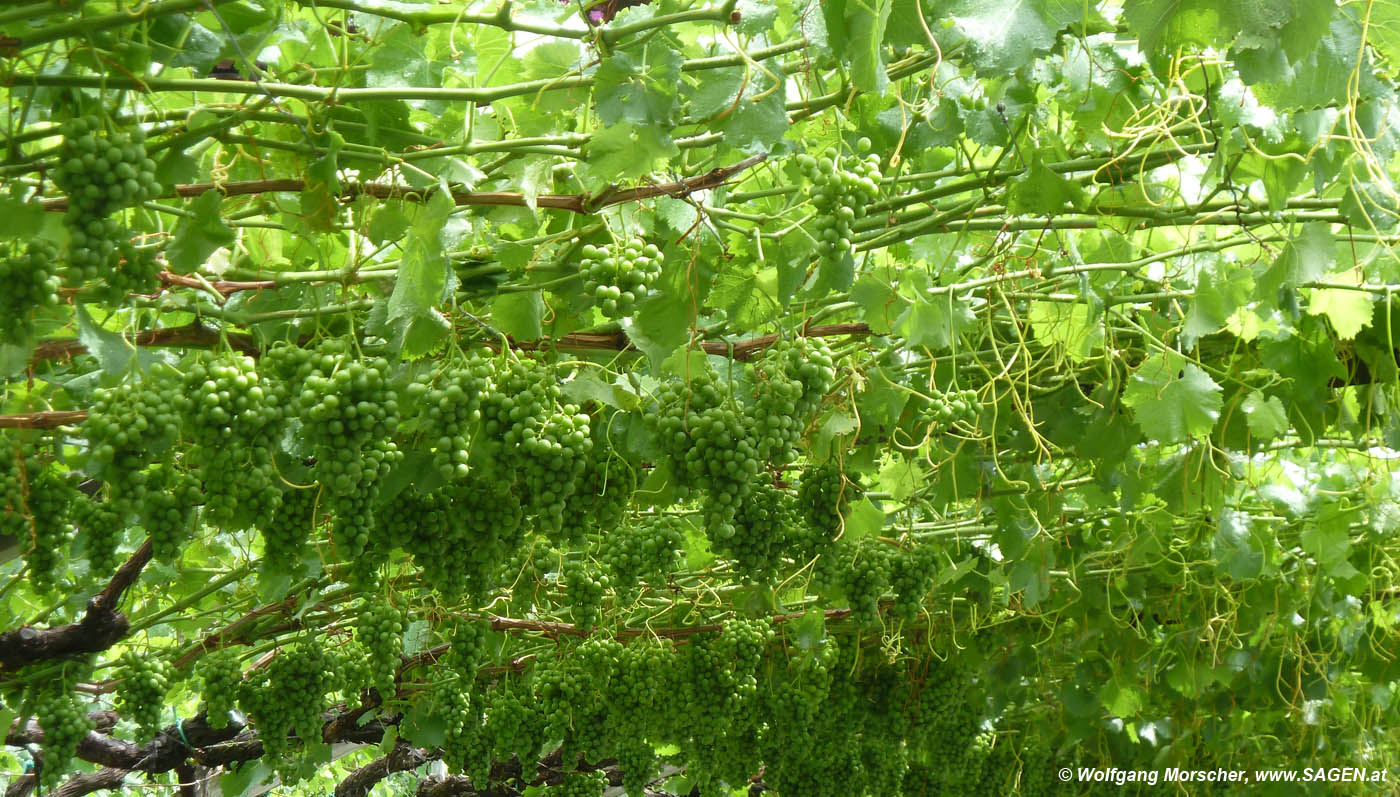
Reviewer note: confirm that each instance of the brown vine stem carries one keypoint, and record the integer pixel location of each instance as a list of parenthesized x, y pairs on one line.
[(102, 625), (196, 335), (554, 630), (576, 203), (48, 419)]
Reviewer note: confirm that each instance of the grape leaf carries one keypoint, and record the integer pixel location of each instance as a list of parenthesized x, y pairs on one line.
[(935, 322), (1067, 326), (625, 150), (1005, 35), (1265, 415), (198, 234), (1162, 26), (1348, 310), (1039, 191), (518, 314), (865, 25), (638, 88), (1172, 402)]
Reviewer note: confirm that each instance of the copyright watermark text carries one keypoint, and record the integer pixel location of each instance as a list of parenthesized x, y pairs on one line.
[(1153, 777)]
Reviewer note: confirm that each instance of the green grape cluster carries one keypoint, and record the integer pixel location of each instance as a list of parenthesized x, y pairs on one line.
[(597, 658), (345, 403), (93, 246), (824, 498), (637, 760), (102, 173), (101, 530), (708, 437), (557, 690), (643, 684), (65, 724), (941, 720), (552, 461), (348, 412), (452, 410), (648, 550), (50, 496), (219, 675), (640, 691), (911, 577), (227, 403), (350, 662), (599, 502), (583, 592), (358, 475), (792, 379), (958, 406), (31, 281), (885, 761), (528, 431), (1036, 779), (760, 532), (619, 276), (861, 572), (141, 691), (459, 535), (802, 689), (127, 427), (286, 531), (232, 418), (464, 747), (134, 269), (720, 696), (593, 664), (523, 569), (485, 523), (168, 510), (289, 695), (580, 784), (513, 725), (830, 736), (842, 189), (743, 641), (379, 627), (469, 648)]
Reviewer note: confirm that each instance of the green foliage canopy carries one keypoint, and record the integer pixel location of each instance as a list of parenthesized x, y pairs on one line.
[(849, 397)]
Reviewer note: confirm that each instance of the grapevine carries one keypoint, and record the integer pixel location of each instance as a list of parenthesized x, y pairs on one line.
[(583, 591), (824, 497), (100, 529), (31, 280), (219, 675), (648, 550), (141, 692), (379, 628), (619, 276), (843, 187), (65, 724), (49, 499), (168, 510), (816, 398)]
